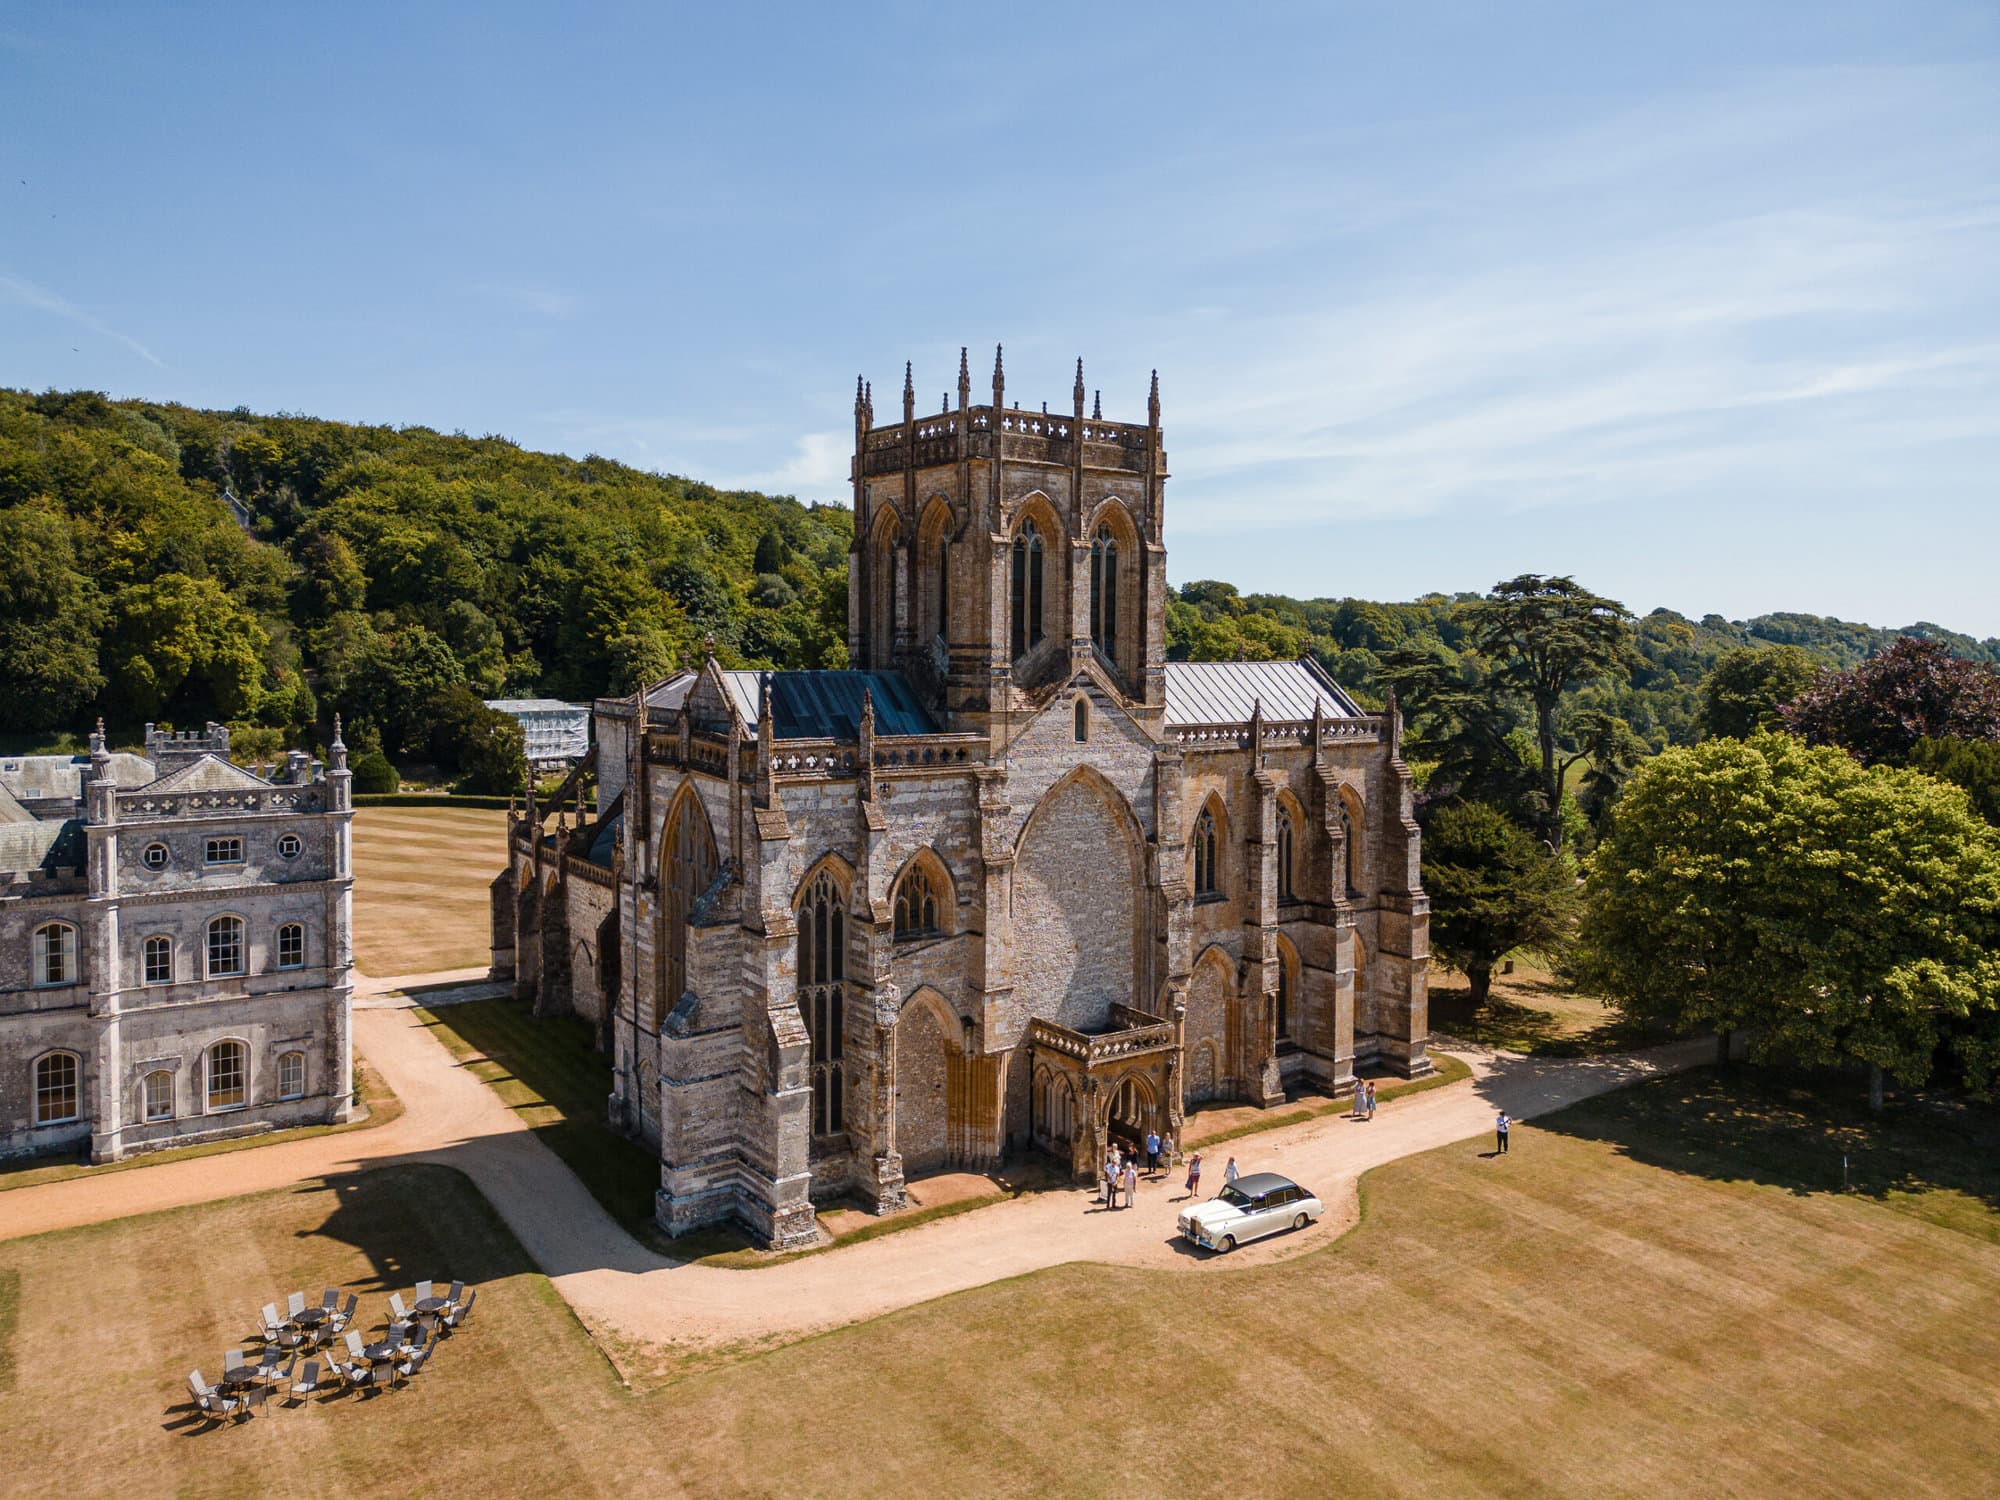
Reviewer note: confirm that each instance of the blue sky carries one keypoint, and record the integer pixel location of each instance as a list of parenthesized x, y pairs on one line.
[(1698, 302)]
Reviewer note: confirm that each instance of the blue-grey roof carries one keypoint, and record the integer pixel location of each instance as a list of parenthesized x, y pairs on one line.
[(1226, 692), (44, 845), (827, 705)]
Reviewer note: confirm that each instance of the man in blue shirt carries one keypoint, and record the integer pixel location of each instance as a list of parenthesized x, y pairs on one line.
[(1152, 1151)]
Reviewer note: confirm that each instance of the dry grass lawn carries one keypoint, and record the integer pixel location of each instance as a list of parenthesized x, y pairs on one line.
[(1650, 1296), (420, 887)]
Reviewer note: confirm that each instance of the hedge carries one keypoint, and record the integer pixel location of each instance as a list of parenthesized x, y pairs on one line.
[(425, 799)]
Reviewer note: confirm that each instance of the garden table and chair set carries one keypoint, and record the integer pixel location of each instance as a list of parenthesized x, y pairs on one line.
[(322, 1335)]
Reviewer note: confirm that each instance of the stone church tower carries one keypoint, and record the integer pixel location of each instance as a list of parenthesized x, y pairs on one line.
[(1011, 882)]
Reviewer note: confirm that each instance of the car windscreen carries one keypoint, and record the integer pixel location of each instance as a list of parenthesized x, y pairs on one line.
[(1234, 1198)]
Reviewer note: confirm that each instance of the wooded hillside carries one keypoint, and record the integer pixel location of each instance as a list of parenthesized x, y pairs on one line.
[(371, 568)]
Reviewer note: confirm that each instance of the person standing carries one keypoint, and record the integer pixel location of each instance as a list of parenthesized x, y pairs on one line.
[(1360, 1100), (1152, 1151), (1167, 1153), (1229, 1173), (1500, 1124), (1371, 1098), (1111, 1178), (1194, 1174), (1132, 1182)]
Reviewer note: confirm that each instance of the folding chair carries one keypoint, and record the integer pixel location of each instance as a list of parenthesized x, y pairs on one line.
[(307, 1383)]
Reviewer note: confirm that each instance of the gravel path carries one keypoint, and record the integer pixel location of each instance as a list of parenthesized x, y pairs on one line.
[(617, 1285)]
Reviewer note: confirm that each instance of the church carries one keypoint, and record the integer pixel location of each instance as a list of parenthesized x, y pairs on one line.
[(1011, 882)]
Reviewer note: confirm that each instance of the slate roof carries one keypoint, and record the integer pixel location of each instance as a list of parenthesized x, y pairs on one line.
[(11, 810), (1226, 692), (42, 844), (827, 705), (41, 777), (208, 774), (670, 694)]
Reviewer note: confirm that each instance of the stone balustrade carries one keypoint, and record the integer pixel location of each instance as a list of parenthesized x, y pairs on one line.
[(1108, 1046), (1280, 733)]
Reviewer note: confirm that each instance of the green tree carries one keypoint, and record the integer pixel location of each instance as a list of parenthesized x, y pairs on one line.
[(399, 678), (483, 746), (329, 580), (1746, 688), (183, 645), (1546, 637), (1494, 887), (1973, 765), (1841, 912), (374, 774), (50, 619)]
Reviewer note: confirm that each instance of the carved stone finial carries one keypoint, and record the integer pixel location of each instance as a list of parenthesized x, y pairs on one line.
[(964, 370), (708, 647), (999, 371), (1078, 392), (1097, 406), (1153, 402), (909, 392), (859, 392), (944, 403), (338, 743)]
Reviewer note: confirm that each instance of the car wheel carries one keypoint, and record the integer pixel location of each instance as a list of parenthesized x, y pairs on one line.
[(1300, 1222), (1228, 1243)]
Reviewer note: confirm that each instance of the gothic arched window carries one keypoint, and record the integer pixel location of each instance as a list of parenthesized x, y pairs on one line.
[(1205, 883), (823, 995), (1027, 592), (944, 588), (916, 904), (1284, 997), (1104, 592), (1286, 892), (1350, 854), (690, 868)]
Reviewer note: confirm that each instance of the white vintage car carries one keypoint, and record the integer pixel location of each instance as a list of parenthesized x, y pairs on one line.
[(1248, 1209)]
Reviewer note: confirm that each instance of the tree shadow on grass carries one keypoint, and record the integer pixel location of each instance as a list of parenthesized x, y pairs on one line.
[(1935, 1157), (1507, 1023)]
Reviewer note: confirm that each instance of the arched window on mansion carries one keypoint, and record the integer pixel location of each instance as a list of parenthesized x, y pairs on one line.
[(1206, 882), (916, 903), (1026, 598), (822, 995), (1287, 891), (1104, 592)]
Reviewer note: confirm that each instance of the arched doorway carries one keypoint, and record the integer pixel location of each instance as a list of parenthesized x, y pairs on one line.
[(922, 1104), (1132, 1110)]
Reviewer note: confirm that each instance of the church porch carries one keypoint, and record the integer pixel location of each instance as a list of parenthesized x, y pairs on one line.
[(1093, 1088)]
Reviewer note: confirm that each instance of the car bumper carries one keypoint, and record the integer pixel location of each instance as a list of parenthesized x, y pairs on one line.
[(1195, 1234)]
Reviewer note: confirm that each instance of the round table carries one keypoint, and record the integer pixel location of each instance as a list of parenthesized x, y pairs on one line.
[(312, 1317), (432, 1304)]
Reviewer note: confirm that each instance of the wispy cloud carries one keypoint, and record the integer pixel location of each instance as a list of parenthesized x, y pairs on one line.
[(544, 301), (27, 293), (1607, 328), (817, 469)]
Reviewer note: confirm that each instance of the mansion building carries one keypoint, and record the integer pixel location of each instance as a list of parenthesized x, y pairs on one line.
[(1012, 882), (174, 946)]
